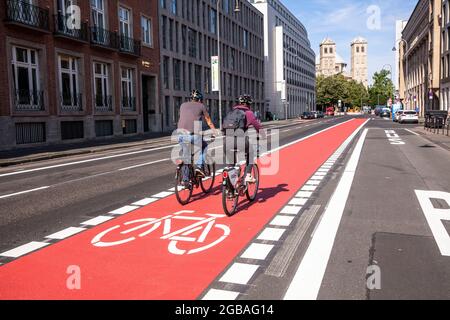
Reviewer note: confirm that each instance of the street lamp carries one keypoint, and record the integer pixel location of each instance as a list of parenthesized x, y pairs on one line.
[(407, 66), (236, 9)]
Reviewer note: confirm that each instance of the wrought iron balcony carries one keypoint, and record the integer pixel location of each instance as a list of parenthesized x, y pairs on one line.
[(129, 104), (129, 45), (63, 28), (104, 38), (27, 14), (103, 103), (71, 102), (26, 100)]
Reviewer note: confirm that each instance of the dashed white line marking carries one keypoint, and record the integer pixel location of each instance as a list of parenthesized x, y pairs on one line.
[(144, 164), (96, 221), (308, 278), (415, 133), (65, 233), (298, 201), (220, 295), (282, 221), (317, 177), (257, 251), (323, 170), (291, 210), (313, 183), (23, 192), (164, 194), (309, 188), (145, 202), (239, 273), (271, 234), (25, 249), (124, 210), (323, 174), (304, 194)]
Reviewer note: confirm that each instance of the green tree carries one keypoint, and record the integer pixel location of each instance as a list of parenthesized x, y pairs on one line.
[(382, 88)]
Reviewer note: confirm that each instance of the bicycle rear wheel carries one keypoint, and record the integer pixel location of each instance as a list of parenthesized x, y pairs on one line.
[(183, 191), (252, 188), (207, 183), (229, 201)]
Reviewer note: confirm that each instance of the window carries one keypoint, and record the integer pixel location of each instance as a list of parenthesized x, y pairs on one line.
[(326, 50), (166, 72), (192, 41), (177, 74), (98, 13), (245, 39), (26, 78), (213, 21), (128, 99), (147, 31), (101, 85), (125, 29), (173, 7), (69, 82)]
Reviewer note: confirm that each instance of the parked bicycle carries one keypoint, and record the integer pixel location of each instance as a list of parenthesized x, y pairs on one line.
[(185, 188)]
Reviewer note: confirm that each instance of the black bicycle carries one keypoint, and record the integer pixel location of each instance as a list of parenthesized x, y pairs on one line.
[(234, 184), (185, 188)]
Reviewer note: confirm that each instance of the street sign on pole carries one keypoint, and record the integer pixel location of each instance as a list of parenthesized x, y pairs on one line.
[(215, 74)]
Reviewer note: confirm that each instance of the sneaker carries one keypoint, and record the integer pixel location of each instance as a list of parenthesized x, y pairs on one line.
[(250, 179), (199, 172)]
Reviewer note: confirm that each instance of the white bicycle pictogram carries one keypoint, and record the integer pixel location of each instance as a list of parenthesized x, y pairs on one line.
[(184, 235)]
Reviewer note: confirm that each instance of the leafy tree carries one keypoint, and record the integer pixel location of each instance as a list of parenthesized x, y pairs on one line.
[(382, 88)]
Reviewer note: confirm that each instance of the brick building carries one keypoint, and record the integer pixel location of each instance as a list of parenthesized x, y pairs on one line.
[(71, 80)]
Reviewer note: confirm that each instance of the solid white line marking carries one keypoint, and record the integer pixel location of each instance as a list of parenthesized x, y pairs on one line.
[(220, 295), (124, 210), (257, 251), (163, 194), (23, 192), (25, 249), (415, 133), (96, 221), (65, 233), (282, 221), (291, 210), (271, 234), (298, 201), (308, 278), (86, 161), (145, 202), (239, 273), (304, 194), (144, 164)]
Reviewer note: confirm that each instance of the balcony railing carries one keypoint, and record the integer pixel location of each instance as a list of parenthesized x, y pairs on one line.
[(26, 100), (128, 104), (129, 45), (103, 103), (104, 38), (27, 14), (71, 102), (64, 29)]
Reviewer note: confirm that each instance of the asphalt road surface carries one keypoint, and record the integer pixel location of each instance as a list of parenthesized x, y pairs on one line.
[(359, 209)]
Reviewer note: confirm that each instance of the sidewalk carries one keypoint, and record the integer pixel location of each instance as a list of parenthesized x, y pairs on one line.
[(438, 138), (38, 153)]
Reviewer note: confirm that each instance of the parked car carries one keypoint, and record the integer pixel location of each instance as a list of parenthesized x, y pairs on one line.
[(409, 116), (330, 111), (308, 115), (378, 110), (397, 115), (385, 113), (320, 114)]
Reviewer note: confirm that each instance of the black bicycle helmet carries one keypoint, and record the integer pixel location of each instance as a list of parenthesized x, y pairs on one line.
[(196, 95), (246, 99)]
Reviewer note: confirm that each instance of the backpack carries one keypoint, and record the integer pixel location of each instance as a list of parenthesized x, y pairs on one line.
[(235, 119)]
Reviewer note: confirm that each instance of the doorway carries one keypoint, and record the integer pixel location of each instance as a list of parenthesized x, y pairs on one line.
[(149, 103)]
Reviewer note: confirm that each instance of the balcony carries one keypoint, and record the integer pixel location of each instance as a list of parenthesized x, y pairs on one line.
[(71, 102), (62, 28), (26, 100), (103, 103), (129, 46), (104, 38), (23, 13), (129, 104)]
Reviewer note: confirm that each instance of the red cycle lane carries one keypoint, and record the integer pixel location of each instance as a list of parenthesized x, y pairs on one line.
[(153, 268)]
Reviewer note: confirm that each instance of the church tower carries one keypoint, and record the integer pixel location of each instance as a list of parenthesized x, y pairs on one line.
[(359, 61)]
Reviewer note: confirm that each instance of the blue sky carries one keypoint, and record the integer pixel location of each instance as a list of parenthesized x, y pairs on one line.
[(343, 20)]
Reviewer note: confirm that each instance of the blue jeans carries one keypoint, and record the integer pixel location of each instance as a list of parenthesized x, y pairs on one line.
[(188, 144)]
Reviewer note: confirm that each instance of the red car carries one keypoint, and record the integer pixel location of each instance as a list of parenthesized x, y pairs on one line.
[(330, 111)]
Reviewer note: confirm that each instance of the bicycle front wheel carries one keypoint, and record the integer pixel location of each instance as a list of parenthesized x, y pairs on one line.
[(253, 188), (183, 191), (207, 183), (229, 201)]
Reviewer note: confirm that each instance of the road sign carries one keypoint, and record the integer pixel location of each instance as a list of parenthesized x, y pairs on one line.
[(215, 73)]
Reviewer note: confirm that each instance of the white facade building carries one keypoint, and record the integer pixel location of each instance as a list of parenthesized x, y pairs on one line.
[(399, 26), (445, 56), (289, 61)]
